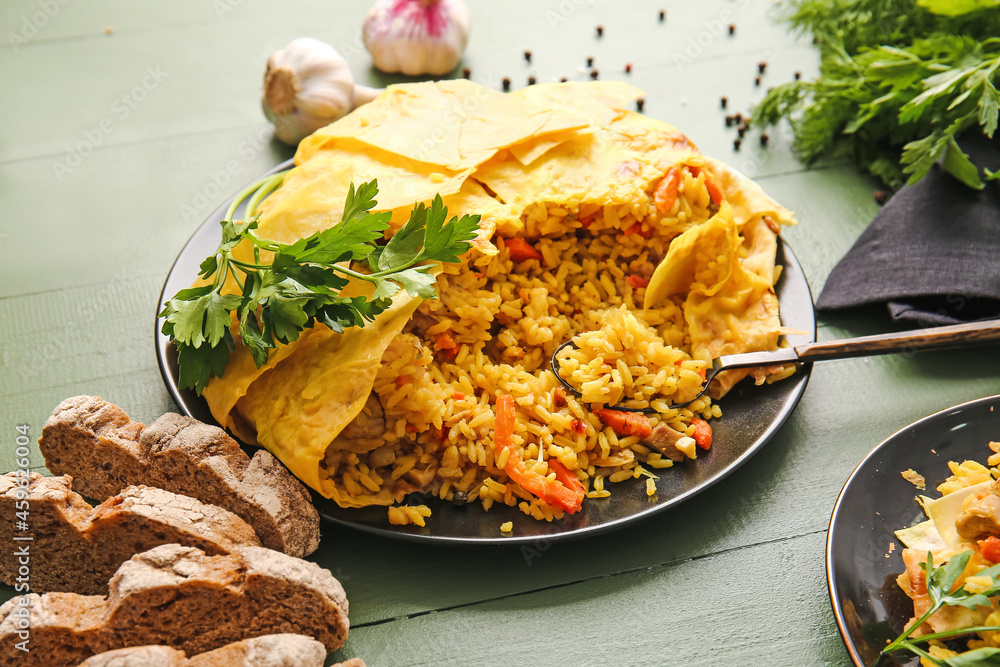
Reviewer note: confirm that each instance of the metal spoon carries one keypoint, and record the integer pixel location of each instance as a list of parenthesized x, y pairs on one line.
[(958, 335)]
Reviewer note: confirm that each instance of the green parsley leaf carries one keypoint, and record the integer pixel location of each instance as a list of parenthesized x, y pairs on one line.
[(301, 286), (417, 281)]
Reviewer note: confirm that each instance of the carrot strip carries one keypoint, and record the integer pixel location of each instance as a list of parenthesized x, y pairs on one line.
[(665, 194), (637, 281), (625, 423), (553, 492), (702, 433), (520, 250)]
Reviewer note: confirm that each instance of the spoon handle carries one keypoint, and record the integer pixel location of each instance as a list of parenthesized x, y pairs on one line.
[(957, 335)]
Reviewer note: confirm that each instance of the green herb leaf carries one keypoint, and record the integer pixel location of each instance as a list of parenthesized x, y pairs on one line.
[(980, 657), (957, 7), (301, 286), (958, 164), (417, 281)]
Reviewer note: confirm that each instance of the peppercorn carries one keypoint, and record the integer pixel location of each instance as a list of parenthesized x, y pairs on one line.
[(756, 81), (563, 79), (738, 118), (761, 66), (600, 30), (730, 120), (593, 74), (741, 130), (663, 16), (764, 139), (506, 83), (460, 498), (590, 61), (736, 143), (798, 75), (527, 56), (531, 80), (640, 103), (628, 68), (732, 28), (724, 102), (466, 73)]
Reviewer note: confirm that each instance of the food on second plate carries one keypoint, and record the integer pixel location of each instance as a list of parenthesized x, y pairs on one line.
[(264, 651), (952, 563), (182, 598), (77, 548), (103, 450), (598, 225)]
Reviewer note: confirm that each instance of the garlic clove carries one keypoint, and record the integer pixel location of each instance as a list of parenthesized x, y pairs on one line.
[(308, 85), (417, 37)]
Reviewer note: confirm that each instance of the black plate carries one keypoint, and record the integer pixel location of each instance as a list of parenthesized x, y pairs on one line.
[(750, 417), (870, 608)]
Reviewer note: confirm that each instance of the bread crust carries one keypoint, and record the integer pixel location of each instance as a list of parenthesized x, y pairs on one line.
[(76, 548), (104, 450), (180, 597), (281, 650)]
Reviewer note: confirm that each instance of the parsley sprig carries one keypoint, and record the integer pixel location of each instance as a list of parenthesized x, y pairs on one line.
[(940, 581), (899, 79), (302, 283)]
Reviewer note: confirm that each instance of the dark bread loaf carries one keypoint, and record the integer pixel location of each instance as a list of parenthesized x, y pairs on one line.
[(104, 450), (77, 548), (284, 650), (179, 597)]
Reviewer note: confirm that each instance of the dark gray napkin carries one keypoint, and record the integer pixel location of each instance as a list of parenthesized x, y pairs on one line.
[(932, 254)]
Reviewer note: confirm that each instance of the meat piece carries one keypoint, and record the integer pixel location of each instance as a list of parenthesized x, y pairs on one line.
[(370, 422), (981, 517), (664, 440)]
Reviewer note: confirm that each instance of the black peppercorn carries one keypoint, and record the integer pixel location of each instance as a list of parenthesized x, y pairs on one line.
[(756, 81), (798, 75), (466, 72), (724, 102), (527, 56), (741, 130), (737, 118), (600, 30), (736, 144), (628, 68), (531, 80), (732, 28), (563, 79), (506, 83), (764, 139), (593, 74), (761, 66), (590, 61), (640, 103), (663, 15)]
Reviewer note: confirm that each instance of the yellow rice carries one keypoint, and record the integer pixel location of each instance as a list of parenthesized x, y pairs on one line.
[(507, 318)]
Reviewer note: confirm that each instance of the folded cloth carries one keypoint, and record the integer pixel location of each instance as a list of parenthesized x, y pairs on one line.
[(932, 254)]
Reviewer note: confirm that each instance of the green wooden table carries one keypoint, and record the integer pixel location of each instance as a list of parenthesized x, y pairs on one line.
[(125, 124)]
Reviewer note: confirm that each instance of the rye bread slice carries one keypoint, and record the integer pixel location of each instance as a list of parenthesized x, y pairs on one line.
[(104, 450), (182, 598), (76, 548), (283, 650)]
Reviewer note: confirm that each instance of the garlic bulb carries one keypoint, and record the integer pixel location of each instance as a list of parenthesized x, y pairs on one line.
[(308, 85), (417, 36)]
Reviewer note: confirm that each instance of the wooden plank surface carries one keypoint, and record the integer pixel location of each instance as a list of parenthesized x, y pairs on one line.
[(734, 576)]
